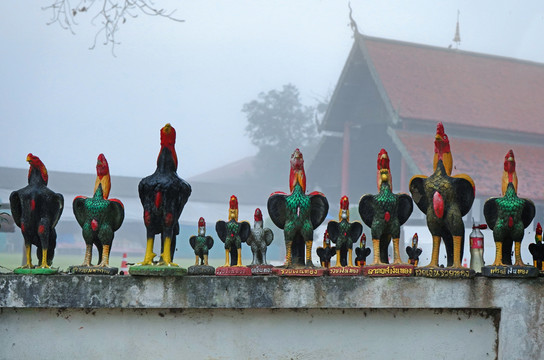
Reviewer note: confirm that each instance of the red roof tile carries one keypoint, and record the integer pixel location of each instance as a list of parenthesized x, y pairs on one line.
[(459, 87), (483, 161)]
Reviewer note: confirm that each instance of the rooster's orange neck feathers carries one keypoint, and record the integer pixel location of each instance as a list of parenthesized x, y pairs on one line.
[(509, 174), (297, 174), (103, 176), (442, 150)]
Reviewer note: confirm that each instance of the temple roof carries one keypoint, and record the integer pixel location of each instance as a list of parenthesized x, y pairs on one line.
[(464, 88)]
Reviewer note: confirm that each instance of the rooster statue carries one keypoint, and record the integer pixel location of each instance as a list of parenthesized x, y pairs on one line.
[(99, 217), (444, 200), (36, 210), (362, 252), (344, 234), (326, 252), (298, 214), (201, 244), (413, 251), (163, 196), (537, 249), (384, 213), (233, 234), (508, 216), (259, 239)]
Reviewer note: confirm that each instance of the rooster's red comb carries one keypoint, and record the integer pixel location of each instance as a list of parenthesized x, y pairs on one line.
[(344, 203), (201, 222), (233, 202)]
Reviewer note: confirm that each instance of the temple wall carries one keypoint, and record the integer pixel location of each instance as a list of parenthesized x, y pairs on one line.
[(209, 317)]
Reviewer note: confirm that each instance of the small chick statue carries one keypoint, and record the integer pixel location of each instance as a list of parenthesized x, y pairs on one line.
[(362, 252), (344, 234), (326, 252), (201, 244), (259, 239), (537, 249), (413, 251), (233, 234)]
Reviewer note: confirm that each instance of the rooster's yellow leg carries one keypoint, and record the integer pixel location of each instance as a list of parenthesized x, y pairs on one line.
[(88, 255), (44, 265), (436, 250), (396, 253), (28, 264), (239, 258), (197, 258), (105, 256), (517, 254), (350, 257), (498, 254), (337, 259), (457, 251), (149, 254), (288, 253), (166, 255), (376, 247), (309, 252), (206, 260), (227, 253)]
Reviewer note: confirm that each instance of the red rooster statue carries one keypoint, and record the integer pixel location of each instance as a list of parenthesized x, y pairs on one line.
[(36, 210), (298, 214), (163, 196), (98, 216)]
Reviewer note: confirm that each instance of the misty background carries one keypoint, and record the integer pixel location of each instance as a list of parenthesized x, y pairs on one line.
[(66, 103)]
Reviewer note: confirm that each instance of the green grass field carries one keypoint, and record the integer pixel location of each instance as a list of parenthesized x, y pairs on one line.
[(8, 261)]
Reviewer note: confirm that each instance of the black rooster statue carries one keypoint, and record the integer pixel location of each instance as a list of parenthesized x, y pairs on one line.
[(163, 196), (326, 252), (537, 249), (444, 199), (362, 252), (36, 210), (413, 251)]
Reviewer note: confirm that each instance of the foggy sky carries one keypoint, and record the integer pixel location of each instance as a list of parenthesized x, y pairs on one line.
[(66, 104)]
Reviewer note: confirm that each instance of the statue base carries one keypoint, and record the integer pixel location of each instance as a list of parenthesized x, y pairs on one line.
[(201, 270), (345, 271), (510, 271), (156, 270), (233, 271), (388, 270), (92, 270), (445, 273), (36, 271), (300, 271), (261, 269)]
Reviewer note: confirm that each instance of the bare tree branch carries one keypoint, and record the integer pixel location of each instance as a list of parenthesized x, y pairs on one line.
[(111, 14)]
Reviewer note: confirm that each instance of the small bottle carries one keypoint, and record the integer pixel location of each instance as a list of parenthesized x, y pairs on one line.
[(477, 247)]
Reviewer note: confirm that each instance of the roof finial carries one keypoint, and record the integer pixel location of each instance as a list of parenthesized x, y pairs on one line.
[(457, 37), (352, 22)]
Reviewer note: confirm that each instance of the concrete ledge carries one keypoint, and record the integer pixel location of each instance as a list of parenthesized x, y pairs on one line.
[(84, 291), (518, 302)]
